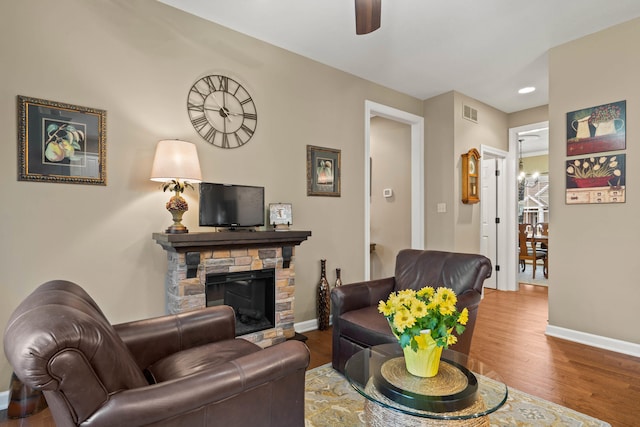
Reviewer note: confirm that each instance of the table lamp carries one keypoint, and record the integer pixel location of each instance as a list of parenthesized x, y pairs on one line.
[(176, 165)]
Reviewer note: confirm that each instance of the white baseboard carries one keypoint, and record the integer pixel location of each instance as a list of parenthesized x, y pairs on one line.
[(308, 325), (4, 400), (300, 327), (598, 341)]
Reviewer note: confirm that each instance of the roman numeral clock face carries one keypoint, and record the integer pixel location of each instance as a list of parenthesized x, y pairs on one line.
[(222, 111)]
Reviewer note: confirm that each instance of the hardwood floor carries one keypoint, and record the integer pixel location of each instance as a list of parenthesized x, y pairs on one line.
[(509, 336)]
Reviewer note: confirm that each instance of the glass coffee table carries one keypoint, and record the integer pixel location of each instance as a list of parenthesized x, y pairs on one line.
[(463, 393)]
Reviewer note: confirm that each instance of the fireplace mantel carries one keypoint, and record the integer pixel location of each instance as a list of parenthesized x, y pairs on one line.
[(229, 239)]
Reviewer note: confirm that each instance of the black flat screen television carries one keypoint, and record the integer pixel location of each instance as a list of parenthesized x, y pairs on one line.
[(226, 205)]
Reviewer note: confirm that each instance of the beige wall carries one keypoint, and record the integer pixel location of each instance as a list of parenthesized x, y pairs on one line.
[(529, 116), (390, 217), (447, 136), (538, 164), (138, 60), (439, 158), (592, 257)]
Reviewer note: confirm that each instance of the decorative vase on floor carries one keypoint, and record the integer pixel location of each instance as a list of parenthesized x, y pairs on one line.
[(338, 279), (324, 307), (426, 361)]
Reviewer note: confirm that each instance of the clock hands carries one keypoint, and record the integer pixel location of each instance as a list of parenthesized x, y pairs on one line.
[(223, 111)]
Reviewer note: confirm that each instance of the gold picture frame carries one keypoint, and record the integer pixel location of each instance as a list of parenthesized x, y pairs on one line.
[(60, 142)]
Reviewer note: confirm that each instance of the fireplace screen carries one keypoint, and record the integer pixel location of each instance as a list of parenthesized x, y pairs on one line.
[(250, 293)]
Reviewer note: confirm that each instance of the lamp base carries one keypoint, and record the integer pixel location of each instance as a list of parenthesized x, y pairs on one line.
[(176, 229), (177, 206)]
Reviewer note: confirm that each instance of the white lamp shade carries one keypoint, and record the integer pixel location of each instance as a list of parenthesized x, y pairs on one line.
[(176, 159)]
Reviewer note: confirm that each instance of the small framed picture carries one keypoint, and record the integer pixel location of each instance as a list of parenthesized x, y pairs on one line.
[(323, 171), (61, 142), (280, 215)]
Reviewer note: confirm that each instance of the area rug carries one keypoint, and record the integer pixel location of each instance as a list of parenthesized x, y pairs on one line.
[(526, 276), (331, 402)]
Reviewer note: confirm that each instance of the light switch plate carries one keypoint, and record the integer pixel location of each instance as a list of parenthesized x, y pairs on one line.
[(442, 207), (387, 192)]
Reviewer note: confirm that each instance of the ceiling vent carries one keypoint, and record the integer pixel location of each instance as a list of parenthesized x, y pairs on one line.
[(470, 113)]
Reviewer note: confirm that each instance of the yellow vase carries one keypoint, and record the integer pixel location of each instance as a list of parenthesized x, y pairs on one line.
[(426, 360)]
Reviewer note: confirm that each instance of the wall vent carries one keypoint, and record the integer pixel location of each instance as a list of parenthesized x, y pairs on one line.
[(470, 113)]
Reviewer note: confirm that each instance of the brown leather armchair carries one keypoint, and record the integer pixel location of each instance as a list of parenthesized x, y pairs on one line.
[(179, 370), (357, 324)]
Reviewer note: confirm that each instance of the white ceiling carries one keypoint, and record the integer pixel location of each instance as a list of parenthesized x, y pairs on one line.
[(485, 49), (534, 142)]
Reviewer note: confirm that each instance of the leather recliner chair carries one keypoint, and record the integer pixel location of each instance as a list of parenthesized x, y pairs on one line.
[(357, 324), (178, 370)]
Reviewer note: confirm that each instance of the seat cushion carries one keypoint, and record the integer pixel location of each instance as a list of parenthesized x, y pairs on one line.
[(366, 326), (198, 359)]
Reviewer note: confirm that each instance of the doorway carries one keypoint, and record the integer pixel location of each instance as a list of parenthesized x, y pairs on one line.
[(535, 136), (390, 193), (417, 174)]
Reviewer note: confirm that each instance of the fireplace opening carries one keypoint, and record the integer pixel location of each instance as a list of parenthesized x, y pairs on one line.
[(250, 293)]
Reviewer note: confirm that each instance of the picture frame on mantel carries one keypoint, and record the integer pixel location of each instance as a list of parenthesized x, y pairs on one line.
[(323, 171), (280, 216), (60, 142)]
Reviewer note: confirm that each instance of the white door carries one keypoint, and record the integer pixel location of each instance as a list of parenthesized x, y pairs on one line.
[(489, 230), (494, 218)]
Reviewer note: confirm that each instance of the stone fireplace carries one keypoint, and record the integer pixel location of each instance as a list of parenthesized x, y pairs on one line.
[(195, 258)]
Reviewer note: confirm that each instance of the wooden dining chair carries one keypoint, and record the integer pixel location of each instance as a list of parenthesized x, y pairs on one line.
[(543, 230), (528, 251)]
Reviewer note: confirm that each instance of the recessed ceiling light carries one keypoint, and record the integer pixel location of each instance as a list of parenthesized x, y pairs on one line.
[(527, 89)]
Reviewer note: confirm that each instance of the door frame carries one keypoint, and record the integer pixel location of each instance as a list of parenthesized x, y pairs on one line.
[(506, 257), (372, 109), (512, 190)]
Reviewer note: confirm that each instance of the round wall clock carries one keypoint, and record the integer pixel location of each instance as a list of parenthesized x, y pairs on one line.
[(222, 111)]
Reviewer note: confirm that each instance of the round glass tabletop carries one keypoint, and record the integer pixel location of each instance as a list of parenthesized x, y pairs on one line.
[(464, 388)]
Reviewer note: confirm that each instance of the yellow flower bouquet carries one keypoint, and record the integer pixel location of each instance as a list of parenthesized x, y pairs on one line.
[(423, 321), (410, 312)]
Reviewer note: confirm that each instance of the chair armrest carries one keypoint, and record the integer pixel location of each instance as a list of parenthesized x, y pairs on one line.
[(469, 298), (152, 339), (358, 295), (168, 400)]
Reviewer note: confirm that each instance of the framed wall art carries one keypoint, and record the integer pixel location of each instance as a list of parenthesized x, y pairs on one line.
[(323, 171), (600, 179), (60, 142), (597, 129)]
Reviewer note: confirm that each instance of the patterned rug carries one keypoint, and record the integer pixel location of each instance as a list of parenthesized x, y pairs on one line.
[(331, 402)]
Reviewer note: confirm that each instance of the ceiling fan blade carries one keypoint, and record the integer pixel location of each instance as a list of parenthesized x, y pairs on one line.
[(368, 15)]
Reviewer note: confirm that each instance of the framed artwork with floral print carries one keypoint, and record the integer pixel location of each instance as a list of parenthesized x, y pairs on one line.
[(598, 179), (597, 129)]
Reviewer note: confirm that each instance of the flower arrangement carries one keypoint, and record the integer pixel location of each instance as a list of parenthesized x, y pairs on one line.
[(593, 168), (409, 312), (604, 113)]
